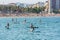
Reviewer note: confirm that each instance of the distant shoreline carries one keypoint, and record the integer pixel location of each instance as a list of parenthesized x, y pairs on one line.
[(28, 15)]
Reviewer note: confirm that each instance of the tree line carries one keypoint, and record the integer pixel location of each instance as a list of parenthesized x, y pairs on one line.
[(12, 8)]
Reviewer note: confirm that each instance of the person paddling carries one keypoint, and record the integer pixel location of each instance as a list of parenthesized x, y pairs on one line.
[(31, 26)]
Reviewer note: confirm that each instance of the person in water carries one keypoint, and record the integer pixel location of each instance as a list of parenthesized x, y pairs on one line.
[(31, 26), (7, 26), (25, 20), (16, 22)]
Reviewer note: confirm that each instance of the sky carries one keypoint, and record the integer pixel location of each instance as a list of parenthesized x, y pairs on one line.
[(21, 1)]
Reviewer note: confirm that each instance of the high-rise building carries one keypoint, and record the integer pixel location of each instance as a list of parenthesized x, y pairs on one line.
[(54, 5), (46, 5)]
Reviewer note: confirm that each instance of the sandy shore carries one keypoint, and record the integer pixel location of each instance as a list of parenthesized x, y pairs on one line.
[(28, 15)]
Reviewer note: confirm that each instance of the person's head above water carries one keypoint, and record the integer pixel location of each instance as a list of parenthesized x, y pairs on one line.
[(31, 25), (7, 23), (25, 20)]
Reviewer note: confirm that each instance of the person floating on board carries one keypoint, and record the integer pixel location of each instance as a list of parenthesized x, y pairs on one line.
[(7, 26)]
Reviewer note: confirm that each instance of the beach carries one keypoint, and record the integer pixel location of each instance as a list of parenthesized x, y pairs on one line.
[(28, 14)]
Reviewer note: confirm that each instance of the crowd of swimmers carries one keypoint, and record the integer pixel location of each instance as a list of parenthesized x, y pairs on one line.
[(31, 25)]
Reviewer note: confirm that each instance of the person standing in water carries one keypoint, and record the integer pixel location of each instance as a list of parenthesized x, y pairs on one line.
[(7, 26)]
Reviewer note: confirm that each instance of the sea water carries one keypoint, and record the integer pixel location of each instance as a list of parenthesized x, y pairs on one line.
[(48, 28)]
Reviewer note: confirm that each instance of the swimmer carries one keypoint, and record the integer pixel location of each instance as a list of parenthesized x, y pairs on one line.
[(16, 22), (7, 26), (31, 26), (24, 21)]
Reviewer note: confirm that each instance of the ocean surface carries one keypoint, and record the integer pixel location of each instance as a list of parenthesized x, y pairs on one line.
[(48, 28)]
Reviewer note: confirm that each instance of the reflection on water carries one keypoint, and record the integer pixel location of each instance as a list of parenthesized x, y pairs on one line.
[(48, 28)]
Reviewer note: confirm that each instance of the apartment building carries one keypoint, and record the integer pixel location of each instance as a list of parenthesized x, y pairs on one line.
[(54, 5)]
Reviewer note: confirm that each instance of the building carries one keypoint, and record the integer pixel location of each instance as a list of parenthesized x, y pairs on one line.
[(46, 5), (24, 5), (39, 4), (54, 5)]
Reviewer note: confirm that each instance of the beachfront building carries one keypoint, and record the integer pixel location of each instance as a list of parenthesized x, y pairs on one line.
[(39, 4), (23, 5), (54, 5), (46, 5)]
